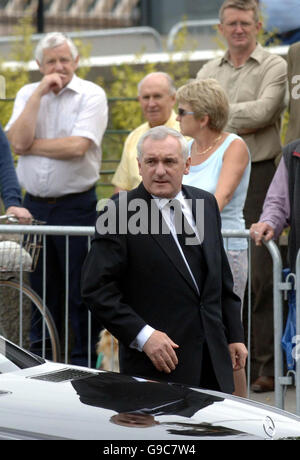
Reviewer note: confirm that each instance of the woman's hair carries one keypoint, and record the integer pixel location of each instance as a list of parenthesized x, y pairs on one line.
[(52, 40), (162, 132), (206, 97)]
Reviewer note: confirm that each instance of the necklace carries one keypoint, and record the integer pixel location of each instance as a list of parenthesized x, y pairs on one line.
[(210, 147)]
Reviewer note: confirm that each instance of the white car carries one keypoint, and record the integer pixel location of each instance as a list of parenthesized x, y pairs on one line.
[(45, 400)]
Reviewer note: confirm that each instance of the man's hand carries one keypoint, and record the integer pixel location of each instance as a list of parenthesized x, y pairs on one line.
[(50, 82), (22, 214), (261, 231), (22, 133), (160, 349), (238, 353)]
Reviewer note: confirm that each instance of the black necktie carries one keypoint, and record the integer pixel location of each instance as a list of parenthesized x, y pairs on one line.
[(189, 242)]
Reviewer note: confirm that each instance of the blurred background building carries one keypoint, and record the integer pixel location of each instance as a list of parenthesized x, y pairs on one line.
[(70, 15)]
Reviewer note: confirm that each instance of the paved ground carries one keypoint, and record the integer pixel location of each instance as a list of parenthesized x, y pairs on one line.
[(269, 398)]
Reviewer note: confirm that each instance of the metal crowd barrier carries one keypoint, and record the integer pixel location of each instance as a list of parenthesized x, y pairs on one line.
[(204, 29), (104, 42), (281, 381), (278, 314)]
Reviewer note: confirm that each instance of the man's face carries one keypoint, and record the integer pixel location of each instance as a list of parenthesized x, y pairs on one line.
[(162, 167), (239, 29), (59, 60), (156, 101)]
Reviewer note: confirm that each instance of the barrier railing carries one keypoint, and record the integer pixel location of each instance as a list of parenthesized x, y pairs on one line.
[(278, 288), (206, 29)]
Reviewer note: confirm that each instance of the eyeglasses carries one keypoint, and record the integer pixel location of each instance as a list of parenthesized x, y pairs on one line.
[(182, 112), (235, 24)]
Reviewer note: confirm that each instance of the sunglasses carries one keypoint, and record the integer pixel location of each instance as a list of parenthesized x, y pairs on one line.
[(182, 112)]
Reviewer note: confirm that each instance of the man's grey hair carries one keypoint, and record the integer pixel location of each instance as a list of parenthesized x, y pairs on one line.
[(52, 40), (160, 133), (163, 75)]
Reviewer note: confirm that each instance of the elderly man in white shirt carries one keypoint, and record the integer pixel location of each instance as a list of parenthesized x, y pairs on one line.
[(56, 128)]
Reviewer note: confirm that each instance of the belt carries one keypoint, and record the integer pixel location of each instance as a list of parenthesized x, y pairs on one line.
[(54, 200)]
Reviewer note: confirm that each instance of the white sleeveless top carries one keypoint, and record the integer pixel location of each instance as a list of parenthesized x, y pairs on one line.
[(206, 176)]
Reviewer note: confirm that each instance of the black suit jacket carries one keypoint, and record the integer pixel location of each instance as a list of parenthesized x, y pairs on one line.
[(130, 280), (109, 391)]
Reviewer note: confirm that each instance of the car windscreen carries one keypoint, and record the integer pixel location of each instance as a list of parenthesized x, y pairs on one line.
[(17, 356)]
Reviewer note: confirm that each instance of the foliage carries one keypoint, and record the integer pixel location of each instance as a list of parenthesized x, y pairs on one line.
[(15, 78), (126, 116), (84, 51), (284, 125), (124, 85)]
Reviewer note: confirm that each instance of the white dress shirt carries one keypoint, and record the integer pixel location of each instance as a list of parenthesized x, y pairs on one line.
[(79, 109)]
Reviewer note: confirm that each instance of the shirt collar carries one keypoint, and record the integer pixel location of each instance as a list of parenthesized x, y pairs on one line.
[(161, 202), (73, 85), (257, 55), (170, 122)]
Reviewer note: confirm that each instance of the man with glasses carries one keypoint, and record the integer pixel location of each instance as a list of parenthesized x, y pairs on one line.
[(255, 82), (156, 95)]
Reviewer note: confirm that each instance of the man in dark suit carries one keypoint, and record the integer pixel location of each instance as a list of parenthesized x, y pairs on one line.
[(171, 307), (128, 394)]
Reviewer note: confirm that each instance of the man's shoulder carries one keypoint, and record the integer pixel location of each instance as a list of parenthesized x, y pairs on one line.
[(269, 63), (89, 87), (140, 129), (129, 195), (197, 193), (294, 49), (137, 132), (292, 147), (141, 192), (268, 56), (28, 88), (210, 66), (144, 127)]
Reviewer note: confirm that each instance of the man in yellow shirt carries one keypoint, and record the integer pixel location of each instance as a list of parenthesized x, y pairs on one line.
[(156, 94)]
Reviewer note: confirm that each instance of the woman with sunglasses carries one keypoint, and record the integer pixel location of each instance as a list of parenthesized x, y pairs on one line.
[(220, 164)]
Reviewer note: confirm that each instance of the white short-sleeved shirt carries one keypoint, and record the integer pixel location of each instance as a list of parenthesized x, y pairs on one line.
[(80, 109)]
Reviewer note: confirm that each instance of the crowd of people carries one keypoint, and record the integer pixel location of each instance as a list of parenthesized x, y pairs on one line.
[(172, 296)]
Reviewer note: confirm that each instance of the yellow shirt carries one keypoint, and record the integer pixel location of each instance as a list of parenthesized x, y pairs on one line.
[(127, 174)]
